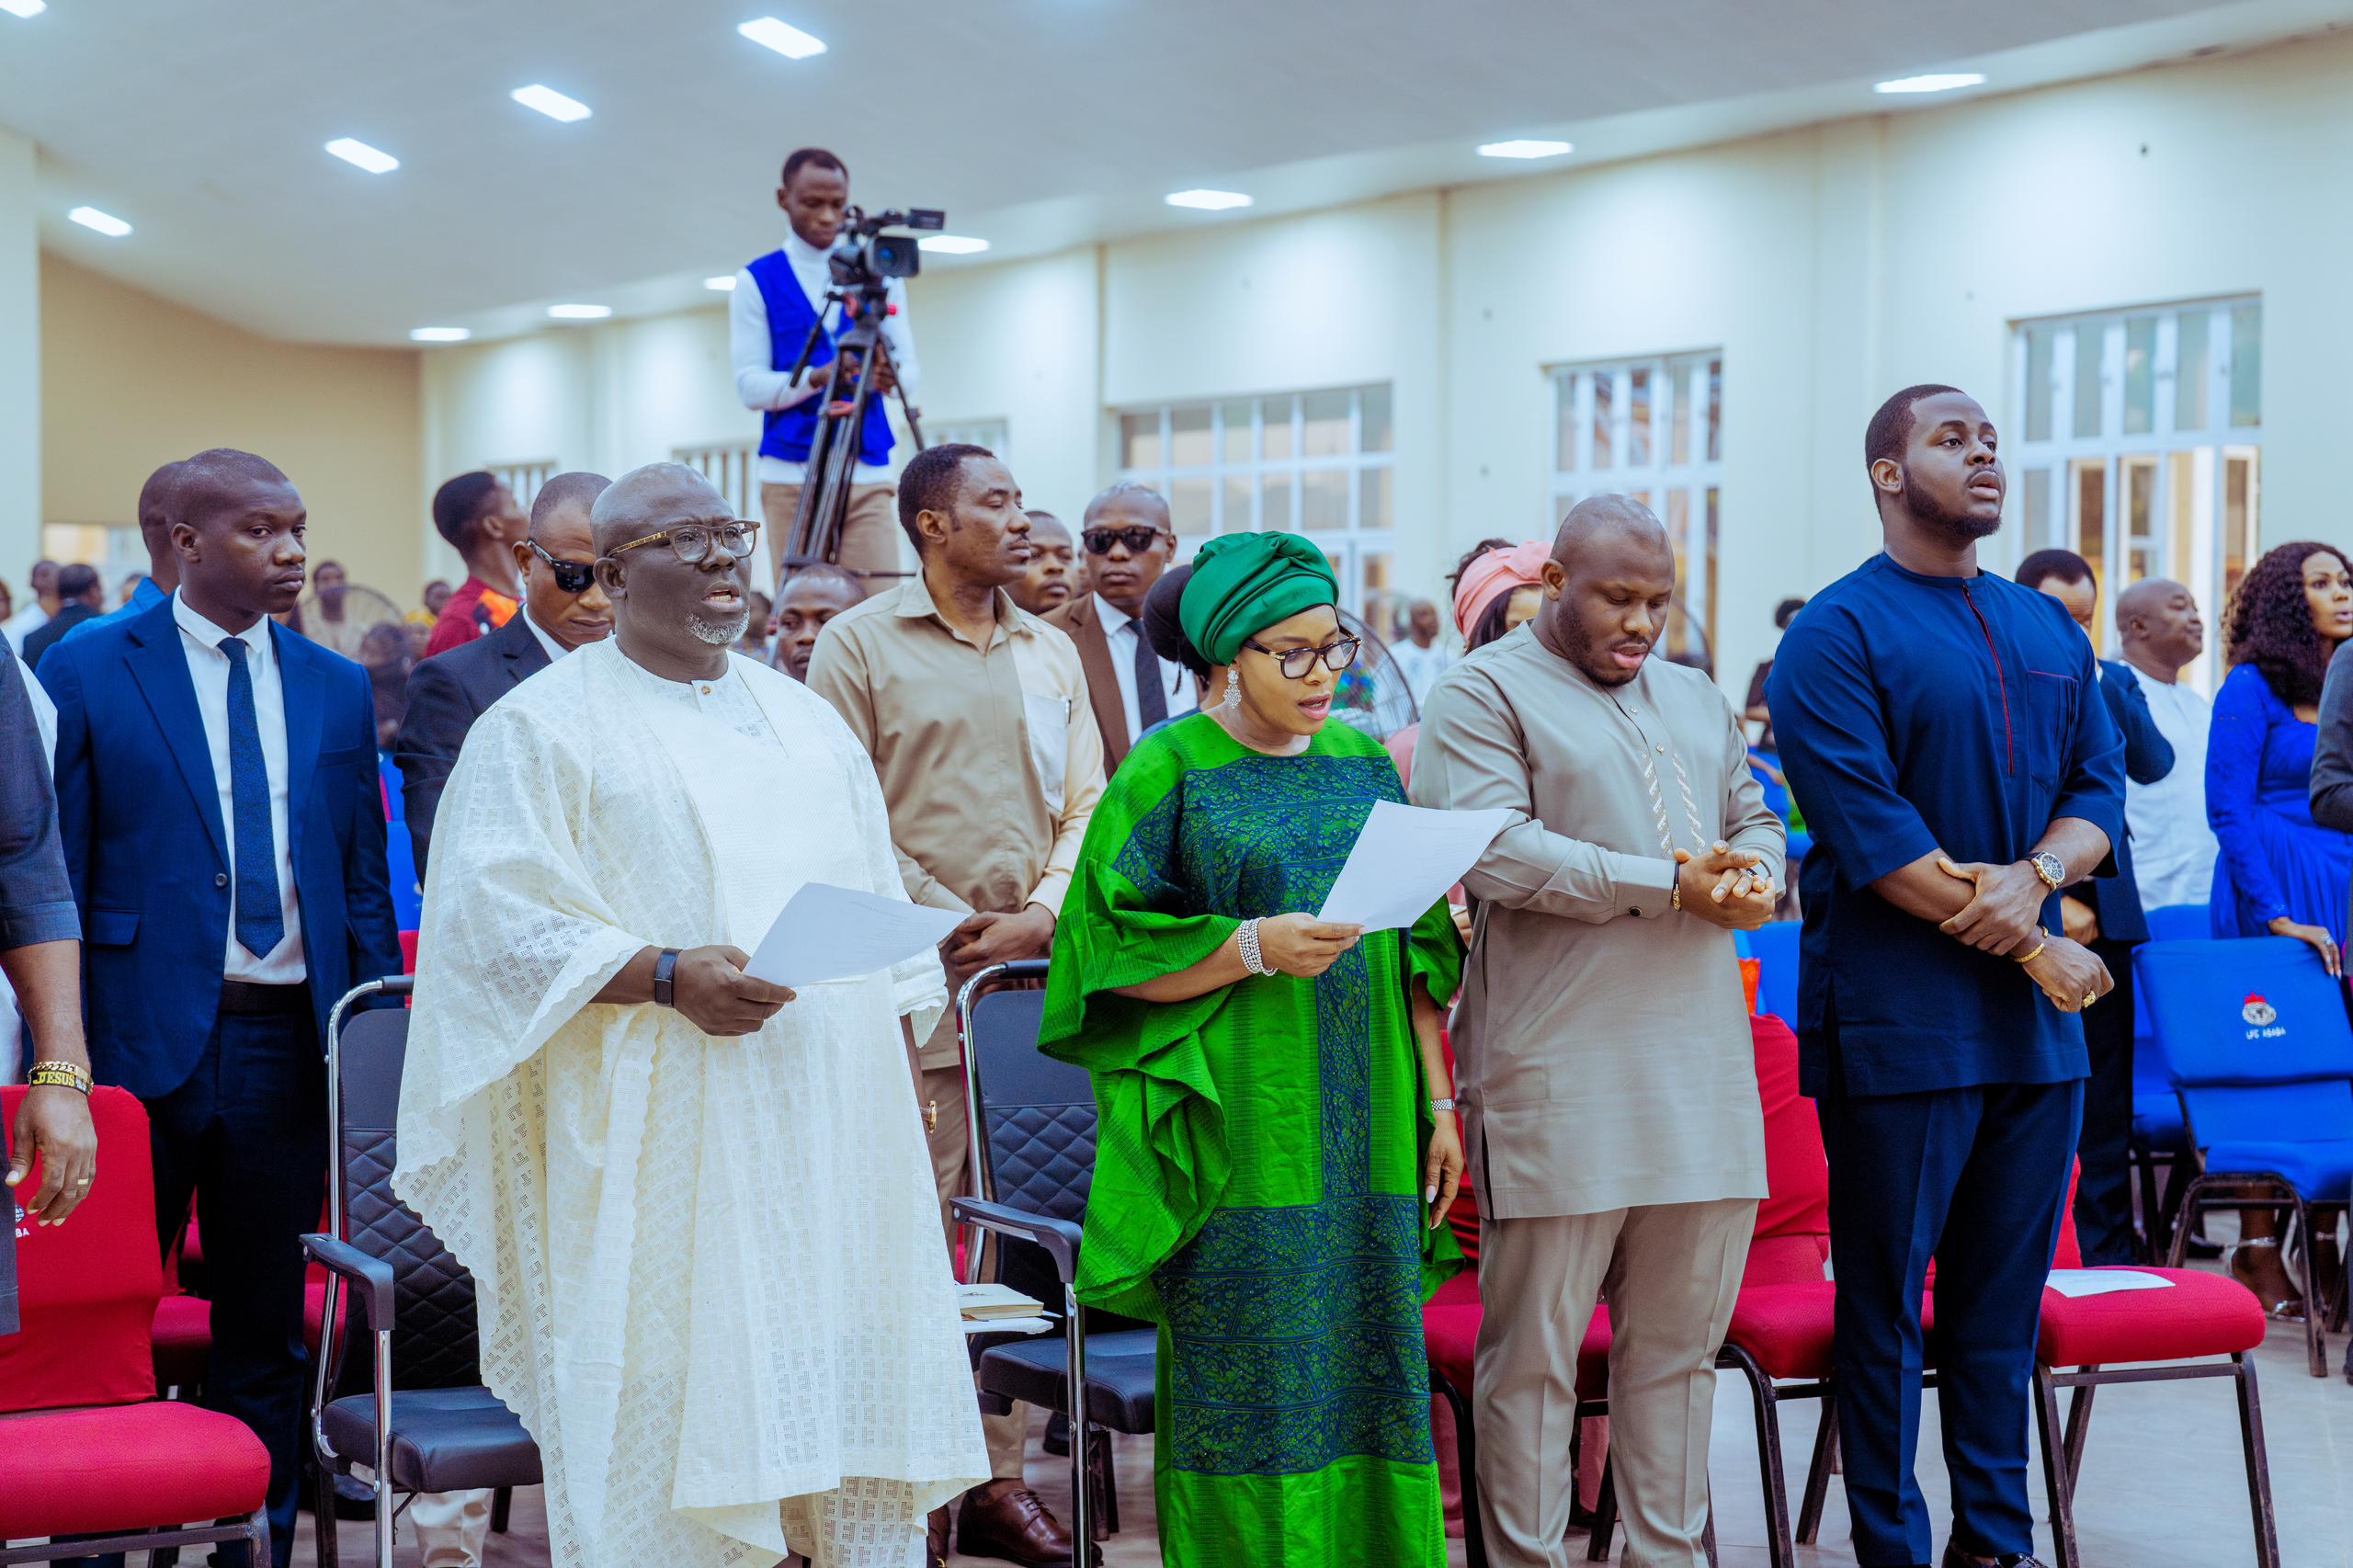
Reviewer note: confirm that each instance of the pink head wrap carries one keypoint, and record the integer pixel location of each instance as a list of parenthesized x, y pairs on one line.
[(1493, 574)]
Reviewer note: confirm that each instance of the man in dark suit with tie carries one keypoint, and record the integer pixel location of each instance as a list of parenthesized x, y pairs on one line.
[(1128, 544), (562, 607), (224, 835), (2106, 916)]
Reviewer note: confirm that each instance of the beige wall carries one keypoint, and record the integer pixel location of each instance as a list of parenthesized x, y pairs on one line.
[(19, 360), (129, 381)]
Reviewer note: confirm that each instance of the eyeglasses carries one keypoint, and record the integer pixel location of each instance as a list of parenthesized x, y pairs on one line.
[(1295, 663), (1100, 540), (693, 541), (572, 576)]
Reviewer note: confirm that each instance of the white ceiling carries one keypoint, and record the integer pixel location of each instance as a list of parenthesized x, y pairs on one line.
[(1036, 123)]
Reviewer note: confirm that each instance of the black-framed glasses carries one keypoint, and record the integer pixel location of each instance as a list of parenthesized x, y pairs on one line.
[(572, 576), (1295, 663), (693, 541), (1100, 540)]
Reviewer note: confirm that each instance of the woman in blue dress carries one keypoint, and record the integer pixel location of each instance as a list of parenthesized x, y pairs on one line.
[(2280, 873)]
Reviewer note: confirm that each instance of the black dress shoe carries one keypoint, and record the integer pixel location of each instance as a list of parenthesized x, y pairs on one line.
[(1956, 1558)]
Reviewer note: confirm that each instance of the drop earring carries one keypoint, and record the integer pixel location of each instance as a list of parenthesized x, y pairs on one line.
[(1233, 688)]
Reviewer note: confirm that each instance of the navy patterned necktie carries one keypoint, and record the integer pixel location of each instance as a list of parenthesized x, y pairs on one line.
[(1152, 697), (260, 920)]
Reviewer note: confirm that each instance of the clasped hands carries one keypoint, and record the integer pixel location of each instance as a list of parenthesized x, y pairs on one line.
[(2002, 917), (1725, 887)]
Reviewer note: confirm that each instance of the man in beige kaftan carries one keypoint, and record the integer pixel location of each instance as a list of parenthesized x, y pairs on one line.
[(697, 1207), (1602, 1036)]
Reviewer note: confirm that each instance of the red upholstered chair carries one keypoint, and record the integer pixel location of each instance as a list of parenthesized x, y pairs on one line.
[(85, 1448), (2141, 1337)]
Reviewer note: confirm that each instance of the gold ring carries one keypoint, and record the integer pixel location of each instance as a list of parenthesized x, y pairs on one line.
[(2090, 998)]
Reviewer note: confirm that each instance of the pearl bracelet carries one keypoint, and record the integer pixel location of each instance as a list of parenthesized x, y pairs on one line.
[(1246, 940)]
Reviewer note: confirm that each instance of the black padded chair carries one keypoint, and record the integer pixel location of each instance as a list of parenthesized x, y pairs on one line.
[(1033, 1148), (434, 1428)]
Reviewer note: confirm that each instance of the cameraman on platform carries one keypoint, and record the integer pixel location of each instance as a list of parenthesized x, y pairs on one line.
[(777, 299)]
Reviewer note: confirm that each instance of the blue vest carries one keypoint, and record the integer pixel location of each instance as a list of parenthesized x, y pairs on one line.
[(787, 433)]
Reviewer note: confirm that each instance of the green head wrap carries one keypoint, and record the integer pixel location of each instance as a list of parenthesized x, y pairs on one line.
[(1243, 584)]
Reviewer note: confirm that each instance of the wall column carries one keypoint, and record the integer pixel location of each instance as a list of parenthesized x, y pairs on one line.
[(21, 493)]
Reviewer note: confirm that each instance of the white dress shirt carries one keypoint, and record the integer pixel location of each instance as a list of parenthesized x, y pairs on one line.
[(2173, 845), (548, 646), (21, 625), (768, 386), (1123, 631), (1421, 666), (207, 666)]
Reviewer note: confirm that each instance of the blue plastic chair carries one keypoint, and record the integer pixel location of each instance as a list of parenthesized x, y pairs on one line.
[(2262, 1059), (400, 864), (2158, 1134), (1775, 948), (2181, 923)]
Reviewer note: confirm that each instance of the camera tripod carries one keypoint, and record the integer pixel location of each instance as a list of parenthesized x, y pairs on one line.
[(832, 468)]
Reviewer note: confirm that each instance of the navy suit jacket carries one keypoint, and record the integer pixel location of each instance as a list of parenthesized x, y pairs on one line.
[(445, 694), (139, 812), (2148, 756)]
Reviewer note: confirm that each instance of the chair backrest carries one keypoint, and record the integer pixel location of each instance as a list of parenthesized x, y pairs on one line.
[(1775, 948), (86, 1289), (434, 1342), (2256, 1035), (2181, 923), (1792, 1236), (1036, 1117)]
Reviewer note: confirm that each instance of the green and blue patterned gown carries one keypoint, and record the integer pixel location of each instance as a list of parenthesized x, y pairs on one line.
[(1258, 1179)]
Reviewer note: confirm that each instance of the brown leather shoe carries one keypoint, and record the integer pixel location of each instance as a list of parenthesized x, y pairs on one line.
[(1005, 1519), (935, 1542)]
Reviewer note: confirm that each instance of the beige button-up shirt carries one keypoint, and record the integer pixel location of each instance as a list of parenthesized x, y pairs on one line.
[(1602, 1037), (990, 761)]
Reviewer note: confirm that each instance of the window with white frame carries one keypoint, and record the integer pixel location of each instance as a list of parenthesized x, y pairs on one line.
[(1652, 429), (994, 434), (523, 479), (2136, 441), (1321, 464), (733, 469)]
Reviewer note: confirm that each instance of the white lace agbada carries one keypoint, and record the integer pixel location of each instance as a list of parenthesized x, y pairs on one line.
[(708, 1271)]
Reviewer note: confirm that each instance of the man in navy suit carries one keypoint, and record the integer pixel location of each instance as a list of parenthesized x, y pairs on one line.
[(224, 835), (562, 608), (2106, 916)]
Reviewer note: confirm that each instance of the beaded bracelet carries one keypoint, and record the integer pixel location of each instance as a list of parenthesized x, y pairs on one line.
[(1246, 940)]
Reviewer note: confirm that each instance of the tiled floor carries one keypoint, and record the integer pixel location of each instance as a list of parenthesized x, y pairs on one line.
[(2163, 1483)]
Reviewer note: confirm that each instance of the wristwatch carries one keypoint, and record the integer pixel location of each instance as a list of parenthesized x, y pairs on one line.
[(665, 968), (2049, 868)]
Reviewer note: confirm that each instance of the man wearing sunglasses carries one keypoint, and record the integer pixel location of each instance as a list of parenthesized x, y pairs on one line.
[(563, 610), (1128, 544)]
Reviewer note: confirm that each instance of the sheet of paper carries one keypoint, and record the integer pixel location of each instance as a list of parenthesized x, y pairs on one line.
[(1404, 860), (829, 933), (2075, 1282)]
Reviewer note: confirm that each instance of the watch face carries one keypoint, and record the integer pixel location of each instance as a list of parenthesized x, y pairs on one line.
[(2050, 867)]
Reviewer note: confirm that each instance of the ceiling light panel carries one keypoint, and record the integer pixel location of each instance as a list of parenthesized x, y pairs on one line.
[(1525, 148), (549, 102), (580, 312), (787, 41), (1936, 81), (24, 7), (438, 334), (106, 223), (1208, 200), (951, 245), (375, 160), (725, 284)]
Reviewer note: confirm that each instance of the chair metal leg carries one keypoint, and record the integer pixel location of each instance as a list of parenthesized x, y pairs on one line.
[(2144, 1165), (1605, 1513), (1819, 1469), (1082, 1526), (502, 1509), (1466, 1460), (2258, 1464), (2054, 1478), (323, 1515), (2079, 1420), (1108, 1467), (1779, 1548), (2315, 1309), (257, 1537)]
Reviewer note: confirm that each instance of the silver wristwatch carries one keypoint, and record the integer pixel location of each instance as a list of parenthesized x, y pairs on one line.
[(1437, 1106)]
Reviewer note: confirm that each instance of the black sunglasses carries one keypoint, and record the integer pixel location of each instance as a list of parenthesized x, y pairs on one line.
[(572, 576), (1100, 540)]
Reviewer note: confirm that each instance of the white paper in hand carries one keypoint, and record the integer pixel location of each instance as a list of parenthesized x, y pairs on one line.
[(829, 933), (1404, 862)]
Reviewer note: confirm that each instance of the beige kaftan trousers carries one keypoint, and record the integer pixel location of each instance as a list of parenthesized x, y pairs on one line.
[(1670, 1272)]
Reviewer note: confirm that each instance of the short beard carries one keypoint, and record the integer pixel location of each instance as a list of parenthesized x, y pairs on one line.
[(1960, 527), (722, 634)]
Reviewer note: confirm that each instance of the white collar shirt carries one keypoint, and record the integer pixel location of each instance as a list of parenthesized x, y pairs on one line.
[(208, 667), (762, 383), (2173, 844), (548, 646), (1123, 632)]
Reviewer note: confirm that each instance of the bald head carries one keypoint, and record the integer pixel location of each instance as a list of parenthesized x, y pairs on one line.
[(158, 501), (2158, 624), (647, 500), (1612, 519)]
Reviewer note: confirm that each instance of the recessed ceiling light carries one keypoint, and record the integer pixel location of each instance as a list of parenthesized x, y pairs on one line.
[(550, 102), (789, 41), (580, 312), (106, 223), (723, 284), (951, 245), (1524, 149), (373, 159), (1944, 82), (1208, 200), (438, 334), (24, 7)]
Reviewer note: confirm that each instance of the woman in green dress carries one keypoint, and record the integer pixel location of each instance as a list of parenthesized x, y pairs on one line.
[(1276, 1145)]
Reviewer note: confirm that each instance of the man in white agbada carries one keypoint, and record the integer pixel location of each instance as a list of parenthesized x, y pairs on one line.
[(698, 1208)]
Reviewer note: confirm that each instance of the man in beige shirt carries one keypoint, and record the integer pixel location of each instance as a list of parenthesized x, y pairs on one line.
[(1602, 1033), (976, 716)]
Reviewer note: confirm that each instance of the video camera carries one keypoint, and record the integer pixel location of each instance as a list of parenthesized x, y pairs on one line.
[(865, 258)]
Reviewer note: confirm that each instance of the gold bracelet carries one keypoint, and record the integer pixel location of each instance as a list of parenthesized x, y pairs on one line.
[(58, 1074), (1675, 892), (2038, 946)]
